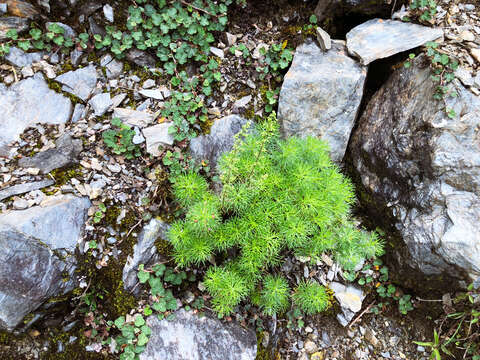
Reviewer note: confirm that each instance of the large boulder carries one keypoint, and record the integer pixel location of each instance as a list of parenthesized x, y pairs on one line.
[(28, 102), (321, 95), (36, 256), (425, 168), (190, 337)]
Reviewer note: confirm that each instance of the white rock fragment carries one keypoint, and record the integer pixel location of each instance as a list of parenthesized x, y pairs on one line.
[(156, 136), (324, 39)]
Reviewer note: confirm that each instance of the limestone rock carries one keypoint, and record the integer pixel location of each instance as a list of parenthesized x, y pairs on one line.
[(36, 260), (378, 39), (144, 252), (321, 95), (190, 337), (100, 103), (324, 39), (220, 140), (28, 102), (65, 153), (156, 136), (79, 82), (425, 169), (18, 57), (133, 117)]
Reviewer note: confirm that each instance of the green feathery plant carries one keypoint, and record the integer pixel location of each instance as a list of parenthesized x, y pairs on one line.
[(277, 196), (311, 297)]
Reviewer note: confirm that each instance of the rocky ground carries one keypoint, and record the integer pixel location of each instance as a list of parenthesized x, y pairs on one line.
[(57, 173)]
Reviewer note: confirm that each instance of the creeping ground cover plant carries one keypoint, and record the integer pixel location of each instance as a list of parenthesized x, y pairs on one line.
[(278, 197)]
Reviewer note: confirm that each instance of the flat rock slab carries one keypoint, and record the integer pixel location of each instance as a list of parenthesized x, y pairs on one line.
[(65, 153), (378, 39), (20, 58), (100, 103), (80, 83), (36, 257), (321, 95), (133, 117), (28, 102), (190, 337), (24, 188)]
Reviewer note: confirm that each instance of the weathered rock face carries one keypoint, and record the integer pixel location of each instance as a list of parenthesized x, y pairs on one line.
[(426, 167), (321, 94), (36, 259), (378, 39), (28, 102), (144, 252), (189, 337), (220, 140)]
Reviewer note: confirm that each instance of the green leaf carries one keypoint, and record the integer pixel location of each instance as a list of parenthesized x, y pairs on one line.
[(12, 34), (139, 320), (142, 339), (119, 322)]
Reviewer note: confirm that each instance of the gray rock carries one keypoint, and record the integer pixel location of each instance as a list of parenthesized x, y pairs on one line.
[(133, 117), (144, 252), (149, 83), (18, 57), (12, 22), (28, 102), (242, 102), (425, 169), (141, 58), (78, 112), (220, 140), (101, 103), (65, 153), (323, 39), (79, 82), (190, 337), (152, 93), (36, 261), (138, 137), (24, 188), (156, 136), (114, 69), (378, 39), (68, 31), (321, 95), (108, 12), (76, 56)]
